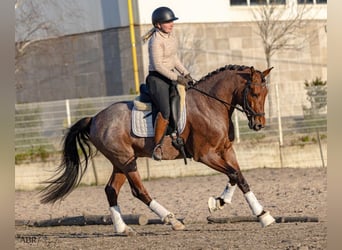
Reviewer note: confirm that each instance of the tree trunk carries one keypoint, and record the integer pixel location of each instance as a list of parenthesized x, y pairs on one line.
[(270, 92)]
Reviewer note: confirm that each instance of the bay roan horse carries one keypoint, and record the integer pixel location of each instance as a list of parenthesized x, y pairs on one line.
[(208, 136)]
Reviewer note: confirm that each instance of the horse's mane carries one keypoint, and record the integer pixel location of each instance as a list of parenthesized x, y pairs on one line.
[(224, 68)]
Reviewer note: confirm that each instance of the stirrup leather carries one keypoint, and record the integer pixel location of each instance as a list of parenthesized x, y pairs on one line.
[(178, 143)]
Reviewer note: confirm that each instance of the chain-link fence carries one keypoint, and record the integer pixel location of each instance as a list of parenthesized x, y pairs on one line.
[(40, 127)]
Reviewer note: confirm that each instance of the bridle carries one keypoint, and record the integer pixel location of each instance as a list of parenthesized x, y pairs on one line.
[(246, 108)]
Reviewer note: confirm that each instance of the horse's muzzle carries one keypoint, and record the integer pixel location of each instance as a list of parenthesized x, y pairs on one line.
[(255, 125)]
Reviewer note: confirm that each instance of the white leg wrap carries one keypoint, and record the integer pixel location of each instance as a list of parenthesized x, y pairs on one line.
[(228, 193), (161, 211), (119, 224), (253, 203)]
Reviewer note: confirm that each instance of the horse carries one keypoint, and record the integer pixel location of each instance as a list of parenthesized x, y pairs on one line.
[(208, 138)]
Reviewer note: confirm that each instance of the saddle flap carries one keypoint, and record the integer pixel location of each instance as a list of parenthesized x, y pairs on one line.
[(142, 125)]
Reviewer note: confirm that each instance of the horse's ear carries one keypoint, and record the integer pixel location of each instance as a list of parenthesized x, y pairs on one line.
[(267, 71), (252, 70)]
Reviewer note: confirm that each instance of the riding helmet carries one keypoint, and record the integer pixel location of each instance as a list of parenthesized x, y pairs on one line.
[(163, 15)]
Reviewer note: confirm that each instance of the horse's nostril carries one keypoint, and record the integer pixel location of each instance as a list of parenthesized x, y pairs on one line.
[(258, 126)]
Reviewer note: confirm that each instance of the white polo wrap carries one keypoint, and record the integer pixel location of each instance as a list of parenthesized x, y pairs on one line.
[(161, 211), (119, 224), (228, 193), (253, 203)]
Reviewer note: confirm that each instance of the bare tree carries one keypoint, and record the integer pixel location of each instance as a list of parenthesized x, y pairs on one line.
[(36, 20), (280, 28), (189, 47), (28, 25)]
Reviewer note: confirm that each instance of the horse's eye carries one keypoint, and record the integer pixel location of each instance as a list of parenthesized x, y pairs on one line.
[(254, 95)]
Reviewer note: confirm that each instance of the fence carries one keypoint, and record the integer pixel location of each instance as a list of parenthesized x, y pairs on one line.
[(40, 127), (299, 141)]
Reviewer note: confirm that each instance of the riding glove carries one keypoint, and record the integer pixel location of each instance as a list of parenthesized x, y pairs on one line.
[(189, 78), (182, 80)]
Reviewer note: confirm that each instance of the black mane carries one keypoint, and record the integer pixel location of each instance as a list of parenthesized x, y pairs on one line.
[(227, 67)]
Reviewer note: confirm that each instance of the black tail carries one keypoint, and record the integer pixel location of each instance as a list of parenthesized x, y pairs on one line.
[(70, 171)]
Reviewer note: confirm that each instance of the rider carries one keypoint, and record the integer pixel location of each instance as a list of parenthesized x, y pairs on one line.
[(165, 72)]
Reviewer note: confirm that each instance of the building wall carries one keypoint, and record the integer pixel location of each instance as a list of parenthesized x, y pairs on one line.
[(100, 63), (77, 66), (70, 17)]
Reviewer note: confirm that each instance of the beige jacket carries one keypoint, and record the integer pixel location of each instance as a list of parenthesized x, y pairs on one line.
[(163, 57)]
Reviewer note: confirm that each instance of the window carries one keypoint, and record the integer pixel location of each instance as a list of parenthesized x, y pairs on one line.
[(238, 2), (305, 1), (256, 2), (277, 1), (312, 1)]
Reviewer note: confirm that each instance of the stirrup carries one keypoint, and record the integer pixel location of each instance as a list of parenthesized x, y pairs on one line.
[(178, 143), (154, 156)]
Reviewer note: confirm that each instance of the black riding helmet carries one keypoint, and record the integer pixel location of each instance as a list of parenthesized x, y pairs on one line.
[(163, 15)]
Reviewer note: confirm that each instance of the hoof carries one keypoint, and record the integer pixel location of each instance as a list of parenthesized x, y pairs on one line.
[(176, 224), (266, 219), (214, 204), (129, 231), (126, 231)]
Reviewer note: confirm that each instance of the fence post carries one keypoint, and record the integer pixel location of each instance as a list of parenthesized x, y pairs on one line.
[(148, 169), (94, 171), (280, 129), (320, 147), (237, 129), (67, 105)]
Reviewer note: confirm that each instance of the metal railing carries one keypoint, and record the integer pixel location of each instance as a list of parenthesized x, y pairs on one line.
[(40, 127)]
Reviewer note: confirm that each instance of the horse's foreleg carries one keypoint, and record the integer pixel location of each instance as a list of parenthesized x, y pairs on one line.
[(236, 176), (217, 203), (140, 192), (112, 190), (216, 162), (230, 167)]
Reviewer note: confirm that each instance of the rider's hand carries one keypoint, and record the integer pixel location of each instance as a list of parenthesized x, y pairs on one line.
[(182, 80), (189, 78)]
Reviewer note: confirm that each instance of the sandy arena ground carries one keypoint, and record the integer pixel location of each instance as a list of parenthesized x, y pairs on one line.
[(284, 192)]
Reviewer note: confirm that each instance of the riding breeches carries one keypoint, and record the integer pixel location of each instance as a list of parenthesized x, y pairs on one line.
[(159, 89)]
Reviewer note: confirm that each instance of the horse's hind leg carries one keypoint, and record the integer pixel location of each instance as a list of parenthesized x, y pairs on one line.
[(112, 190), (140, 192)]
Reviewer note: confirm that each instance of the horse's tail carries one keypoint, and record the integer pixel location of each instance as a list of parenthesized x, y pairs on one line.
[(70, 171)]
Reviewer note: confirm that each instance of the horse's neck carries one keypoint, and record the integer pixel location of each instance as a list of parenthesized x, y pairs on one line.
[(224, 87)]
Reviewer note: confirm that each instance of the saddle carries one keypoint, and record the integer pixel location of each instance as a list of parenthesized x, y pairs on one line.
[(143, 114)]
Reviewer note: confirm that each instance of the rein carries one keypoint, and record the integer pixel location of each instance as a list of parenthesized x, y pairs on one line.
[(217, 99), (246, 107)]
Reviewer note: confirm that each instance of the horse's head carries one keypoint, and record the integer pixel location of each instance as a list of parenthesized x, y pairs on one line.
[(254, 96)]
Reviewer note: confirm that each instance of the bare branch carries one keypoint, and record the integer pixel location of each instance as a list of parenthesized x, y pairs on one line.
[(36, 20), (279, 28)]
